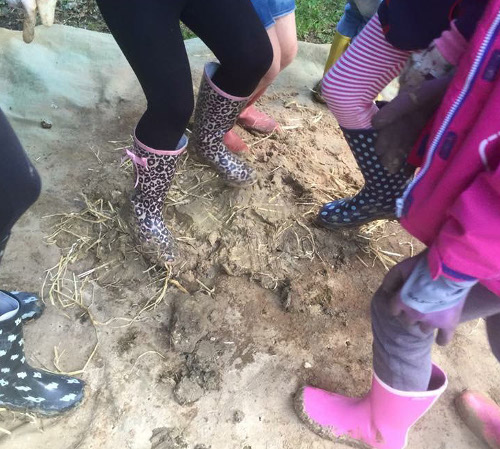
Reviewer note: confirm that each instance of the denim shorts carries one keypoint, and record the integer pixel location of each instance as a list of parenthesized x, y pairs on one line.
[(270, 10)]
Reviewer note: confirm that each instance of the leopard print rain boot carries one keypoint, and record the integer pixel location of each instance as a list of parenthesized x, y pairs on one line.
[(154, 171), (216, 113)]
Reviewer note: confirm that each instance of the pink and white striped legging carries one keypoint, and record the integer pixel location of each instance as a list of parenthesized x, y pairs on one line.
[(367, 66)]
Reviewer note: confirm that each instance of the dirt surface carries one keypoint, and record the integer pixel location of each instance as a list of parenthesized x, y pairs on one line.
[(208, 353)]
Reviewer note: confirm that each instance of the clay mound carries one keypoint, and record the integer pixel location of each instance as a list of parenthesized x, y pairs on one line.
[(209, 352)]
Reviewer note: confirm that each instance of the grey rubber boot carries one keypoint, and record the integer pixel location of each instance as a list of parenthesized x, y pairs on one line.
[(377, 199)]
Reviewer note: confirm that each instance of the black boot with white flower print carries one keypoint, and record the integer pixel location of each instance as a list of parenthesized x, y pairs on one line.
[(377, 199), (22, 387), (31, 305), (216, 114)]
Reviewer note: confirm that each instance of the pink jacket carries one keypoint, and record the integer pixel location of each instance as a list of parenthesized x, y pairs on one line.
[(453, 205)]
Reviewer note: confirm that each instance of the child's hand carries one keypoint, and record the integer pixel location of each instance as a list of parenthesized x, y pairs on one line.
[(446, 321), (46, 9), (425, 302), (400, 122), (440, 59), (424, 65)]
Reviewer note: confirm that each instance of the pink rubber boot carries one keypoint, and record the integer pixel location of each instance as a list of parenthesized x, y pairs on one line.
[(481, 415), (234, 143), (380, 420), (254, 120)]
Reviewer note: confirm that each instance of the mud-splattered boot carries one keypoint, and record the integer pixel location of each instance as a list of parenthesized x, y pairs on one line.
[(377, 199), (216, 113), (382, 419), (22, 387), (154, 171), (339, 45), (31, 305)]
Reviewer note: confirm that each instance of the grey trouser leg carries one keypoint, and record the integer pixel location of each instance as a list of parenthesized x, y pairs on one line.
[(402, 354)]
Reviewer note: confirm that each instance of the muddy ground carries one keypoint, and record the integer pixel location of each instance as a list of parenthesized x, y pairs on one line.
[(206, 354)]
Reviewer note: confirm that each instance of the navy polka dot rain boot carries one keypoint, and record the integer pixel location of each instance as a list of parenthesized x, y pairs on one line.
[(216, 113), (377, 199)]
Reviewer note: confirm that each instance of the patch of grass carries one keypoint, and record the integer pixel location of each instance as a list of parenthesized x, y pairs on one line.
[(186, 32), (316, 19)]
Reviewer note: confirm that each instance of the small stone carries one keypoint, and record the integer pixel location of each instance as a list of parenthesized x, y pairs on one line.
[(307, 365), (213, 238), (202, 446), (238, 416), (187, 392), (116, 195), (46, 124)]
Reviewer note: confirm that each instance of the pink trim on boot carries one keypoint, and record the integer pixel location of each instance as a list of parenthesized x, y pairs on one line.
[(210, 69), (181, 147), (481, 415), (382, 419), (143, 161)]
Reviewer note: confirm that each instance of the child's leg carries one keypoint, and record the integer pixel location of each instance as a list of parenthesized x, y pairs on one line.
[(150, 37), (233, 31), (19, 181), (283, 36), (282, 33), (251, 118), (402, 354), (286, 30), (351, 85), (351, 20), (349, 89), (20, 186), (348, 26)]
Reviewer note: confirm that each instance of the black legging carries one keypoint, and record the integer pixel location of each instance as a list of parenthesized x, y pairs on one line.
[(19, 181), (149, 34)]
